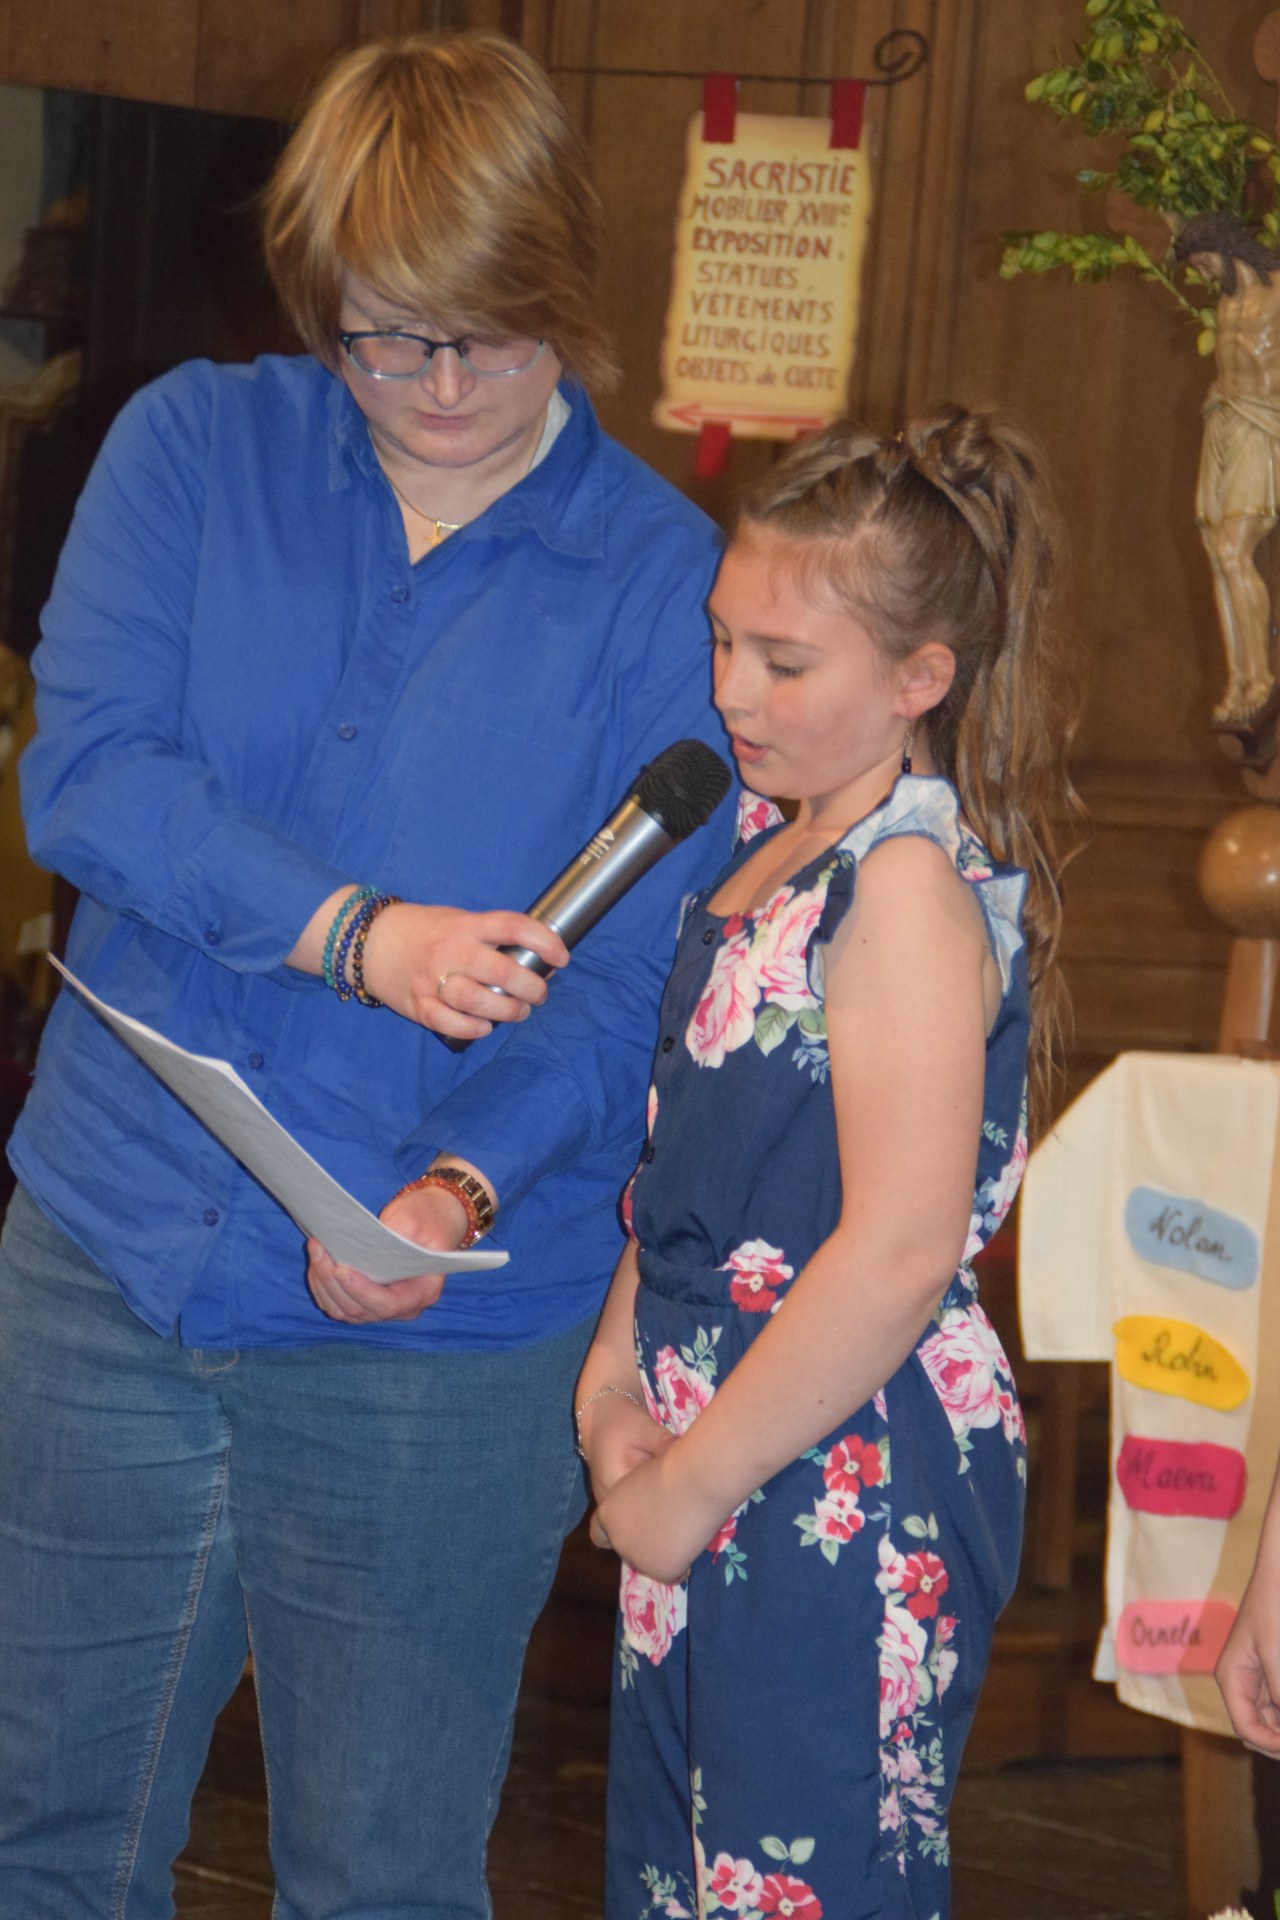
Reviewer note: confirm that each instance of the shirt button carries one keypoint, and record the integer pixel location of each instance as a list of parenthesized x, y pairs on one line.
[(667, 1044), (256, 1060), (399, 595), (708, 936), (346, 731), (211, 1216), (213, 936)]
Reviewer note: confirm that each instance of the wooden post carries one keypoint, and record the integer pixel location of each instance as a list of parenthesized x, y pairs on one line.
[(1240, 881)]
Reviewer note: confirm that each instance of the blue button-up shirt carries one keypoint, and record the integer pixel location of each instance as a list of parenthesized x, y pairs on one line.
[(248, 697)]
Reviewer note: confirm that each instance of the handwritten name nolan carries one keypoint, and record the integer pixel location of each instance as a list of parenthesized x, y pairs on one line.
[(1171, 1226)]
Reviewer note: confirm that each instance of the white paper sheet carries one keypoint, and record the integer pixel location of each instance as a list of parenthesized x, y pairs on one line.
[(311, 1197)]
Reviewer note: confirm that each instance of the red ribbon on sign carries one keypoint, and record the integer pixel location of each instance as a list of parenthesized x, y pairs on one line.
[(719, 124), (848, 104), (719, 107), (712, 456)]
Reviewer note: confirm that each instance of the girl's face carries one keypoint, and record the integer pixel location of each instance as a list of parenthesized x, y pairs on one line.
[(815, 711)]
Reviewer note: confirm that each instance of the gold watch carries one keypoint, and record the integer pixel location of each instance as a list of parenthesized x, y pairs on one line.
[(473, 1194)]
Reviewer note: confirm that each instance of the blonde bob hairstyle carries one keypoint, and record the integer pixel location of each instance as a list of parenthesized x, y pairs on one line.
[(443, 171)]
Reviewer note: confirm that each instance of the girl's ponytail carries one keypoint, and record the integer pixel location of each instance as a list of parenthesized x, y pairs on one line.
[(946, 531)]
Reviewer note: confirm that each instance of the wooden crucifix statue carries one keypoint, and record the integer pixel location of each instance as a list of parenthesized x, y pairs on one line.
[(1238, 493)]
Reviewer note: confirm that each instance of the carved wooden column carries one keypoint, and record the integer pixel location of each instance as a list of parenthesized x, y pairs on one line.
[(1240, 882)]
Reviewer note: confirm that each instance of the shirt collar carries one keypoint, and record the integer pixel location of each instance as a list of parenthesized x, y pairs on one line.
[(561, 500)]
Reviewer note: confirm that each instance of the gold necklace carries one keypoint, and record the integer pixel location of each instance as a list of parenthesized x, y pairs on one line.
[(440, 528)]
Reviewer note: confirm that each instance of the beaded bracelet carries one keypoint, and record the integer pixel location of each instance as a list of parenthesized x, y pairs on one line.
[(367, 915), (345, 938), (354, 899), (351, 941), (471, 1194), (599, 1394)]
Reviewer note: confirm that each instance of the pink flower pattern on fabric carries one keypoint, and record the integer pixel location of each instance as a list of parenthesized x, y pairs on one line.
[(755, 814), (759, 1274), (653, 1613), (913, 1674), (904, 1683), (682, 1391), (735, 1884), (971, 1376), (786, 1896), (779, 952), (724, 1018)]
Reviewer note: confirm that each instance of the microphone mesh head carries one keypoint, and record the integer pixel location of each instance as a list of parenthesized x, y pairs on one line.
[(683, 787)]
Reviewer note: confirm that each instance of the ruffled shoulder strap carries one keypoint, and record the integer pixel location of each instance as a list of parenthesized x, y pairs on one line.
[(928, 807)]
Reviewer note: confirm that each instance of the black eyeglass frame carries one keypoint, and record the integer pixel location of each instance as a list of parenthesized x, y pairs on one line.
[(430, 348)]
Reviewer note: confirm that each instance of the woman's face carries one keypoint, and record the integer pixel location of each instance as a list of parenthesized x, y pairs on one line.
[(447, 417), (813, 708)]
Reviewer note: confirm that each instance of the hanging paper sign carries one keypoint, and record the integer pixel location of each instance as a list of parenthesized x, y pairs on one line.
[(1172, 1356), (1173, 1636), (768, 254), (1181, 1477), (1190, 1237)]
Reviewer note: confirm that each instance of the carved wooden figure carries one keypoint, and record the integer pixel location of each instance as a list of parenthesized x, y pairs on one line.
[(1238, 492)]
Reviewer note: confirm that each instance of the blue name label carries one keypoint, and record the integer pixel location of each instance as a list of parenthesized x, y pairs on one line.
[(1173, 1231)]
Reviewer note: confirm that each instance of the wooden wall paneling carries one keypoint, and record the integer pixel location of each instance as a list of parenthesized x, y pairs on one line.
[(931, 154), (897, 118), (263, 56), (141, 49)]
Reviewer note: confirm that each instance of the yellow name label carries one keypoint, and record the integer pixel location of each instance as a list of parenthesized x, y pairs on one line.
[(1173, 1356)]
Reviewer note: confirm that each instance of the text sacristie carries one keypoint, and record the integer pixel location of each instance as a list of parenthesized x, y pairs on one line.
[(764, 296)]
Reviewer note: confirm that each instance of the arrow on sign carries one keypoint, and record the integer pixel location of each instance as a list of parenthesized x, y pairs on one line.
[(694, 414)]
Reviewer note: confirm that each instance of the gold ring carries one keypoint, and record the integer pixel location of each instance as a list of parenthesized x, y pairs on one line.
[(440, 986)]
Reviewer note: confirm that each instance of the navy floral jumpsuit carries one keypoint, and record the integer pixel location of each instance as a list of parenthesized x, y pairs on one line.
[(787, 1723)]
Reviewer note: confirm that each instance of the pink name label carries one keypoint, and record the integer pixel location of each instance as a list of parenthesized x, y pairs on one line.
[(1173, 1636), (1176, 1476)]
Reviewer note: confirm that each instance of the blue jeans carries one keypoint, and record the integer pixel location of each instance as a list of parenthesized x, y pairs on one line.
[(380, 1527)]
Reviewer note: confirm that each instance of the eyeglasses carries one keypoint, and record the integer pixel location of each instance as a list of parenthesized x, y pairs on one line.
[(405, 356)]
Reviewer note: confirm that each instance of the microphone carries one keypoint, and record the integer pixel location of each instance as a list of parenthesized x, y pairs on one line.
[(669, 799)]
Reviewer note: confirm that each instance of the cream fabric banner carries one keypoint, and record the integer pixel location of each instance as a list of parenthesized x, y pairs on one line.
[(765, 284), (1148, 1238)]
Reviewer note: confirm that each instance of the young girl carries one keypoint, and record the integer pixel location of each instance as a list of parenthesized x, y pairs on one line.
[(801, 1429)]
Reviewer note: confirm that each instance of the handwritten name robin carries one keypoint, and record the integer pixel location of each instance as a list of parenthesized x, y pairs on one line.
[(1191, 1360)]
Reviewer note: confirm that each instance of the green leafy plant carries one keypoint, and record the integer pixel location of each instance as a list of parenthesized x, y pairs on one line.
[(1139, 78)]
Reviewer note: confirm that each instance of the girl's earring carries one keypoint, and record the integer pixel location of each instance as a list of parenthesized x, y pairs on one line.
[(906, 747)]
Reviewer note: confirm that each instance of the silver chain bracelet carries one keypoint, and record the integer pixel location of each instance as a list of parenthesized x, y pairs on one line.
[(599, 1394)]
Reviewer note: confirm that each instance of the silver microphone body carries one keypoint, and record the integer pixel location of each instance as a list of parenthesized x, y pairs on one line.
[(626, 846), (671, 797)]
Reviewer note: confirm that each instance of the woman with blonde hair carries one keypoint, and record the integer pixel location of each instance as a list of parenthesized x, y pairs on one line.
[(347, 653)]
